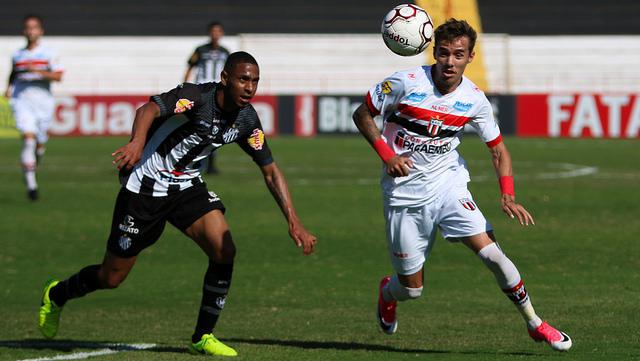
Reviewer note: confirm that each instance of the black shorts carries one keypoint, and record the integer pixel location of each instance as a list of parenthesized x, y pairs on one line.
[(138, 220)]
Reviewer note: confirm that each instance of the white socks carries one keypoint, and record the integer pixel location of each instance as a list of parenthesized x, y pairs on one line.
[(28, 158), (509, 280)]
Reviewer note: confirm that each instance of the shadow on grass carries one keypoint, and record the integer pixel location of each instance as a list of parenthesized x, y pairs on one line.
[(71, 345), (356, 346)]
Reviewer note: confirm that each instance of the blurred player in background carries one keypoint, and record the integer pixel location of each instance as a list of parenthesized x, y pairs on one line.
[(424, 183), (160, 177), (209, 59), (33, 69)]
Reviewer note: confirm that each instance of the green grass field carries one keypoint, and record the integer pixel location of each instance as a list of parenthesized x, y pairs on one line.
[(581, 262)]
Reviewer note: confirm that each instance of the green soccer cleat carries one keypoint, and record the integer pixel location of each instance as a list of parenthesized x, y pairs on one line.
[(209, 345), (49, 313)]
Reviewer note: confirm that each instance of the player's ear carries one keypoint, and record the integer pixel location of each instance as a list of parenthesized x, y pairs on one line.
[(224, 77), (473, 53)]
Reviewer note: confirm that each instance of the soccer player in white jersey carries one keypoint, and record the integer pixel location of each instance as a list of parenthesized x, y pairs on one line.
[(33, 69), (424, 183)]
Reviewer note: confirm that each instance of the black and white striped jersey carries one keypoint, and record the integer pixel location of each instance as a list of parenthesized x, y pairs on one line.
[(189, 128), (209, 62)]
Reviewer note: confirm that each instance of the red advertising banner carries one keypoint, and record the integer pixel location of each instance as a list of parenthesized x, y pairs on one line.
[(96, 115), (578, 115)]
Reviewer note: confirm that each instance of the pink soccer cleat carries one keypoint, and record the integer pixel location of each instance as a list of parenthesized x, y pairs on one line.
[(558, 340), (386, 311)]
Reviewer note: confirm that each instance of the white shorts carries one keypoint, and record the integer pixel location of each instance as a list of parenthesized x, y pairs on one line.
[(33, 116), (411, 231)]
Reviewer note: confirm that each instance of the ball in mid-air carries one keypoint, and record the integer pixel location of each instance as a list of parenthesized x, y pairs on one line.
[(407, 30)]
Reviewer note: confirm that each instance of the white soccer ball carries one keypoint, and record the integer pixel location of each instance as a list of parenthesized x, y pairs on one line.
[(407, 30)]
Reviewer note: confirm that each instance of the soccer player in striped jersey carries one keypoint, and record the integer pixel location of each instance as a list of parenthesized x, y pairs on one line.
[(424, 182), (208, 60), (161, 182), (34, 67)]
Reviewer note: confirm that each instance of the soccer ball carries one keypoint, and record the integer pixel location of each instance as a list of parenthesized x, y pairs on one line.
[(407, 30)]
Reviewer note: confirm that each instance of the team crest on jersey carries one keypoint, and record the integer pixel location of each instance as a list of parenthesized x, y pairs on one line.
[(182, 105), (468, 204), (230, 134), (256, 140), (386, 87), (434, 126)]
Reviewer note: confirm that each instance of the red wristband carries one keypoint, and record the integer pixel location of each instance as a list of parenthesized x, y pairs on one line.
[(506, 185), (383, 150)]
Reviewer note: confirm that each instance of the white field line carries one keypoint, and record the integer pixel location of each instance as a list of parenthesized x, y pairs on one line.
[(564, 170), (110, 349)]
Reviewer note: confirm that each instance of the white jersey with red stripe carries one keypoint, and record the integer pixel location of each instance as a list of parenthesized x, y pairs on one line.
[(31, 84), (426, 126)]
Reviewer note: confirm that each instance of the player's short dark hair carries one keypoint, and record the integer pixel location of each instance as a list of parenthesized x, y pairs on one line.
[(239, 57), (213, 24), (33, 16), (454, 28)]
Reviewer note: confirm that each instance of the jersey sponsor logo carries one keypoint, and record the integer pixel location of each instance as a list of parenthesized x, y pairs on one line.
[(182, 105), (468, 204), (127, 225), (416, 144), (124, 242), (440, 108), (230, 134), (215, 129), (415, 97), (386, 87), (256, 140), (434, 126), (463, 107), (411, 75)]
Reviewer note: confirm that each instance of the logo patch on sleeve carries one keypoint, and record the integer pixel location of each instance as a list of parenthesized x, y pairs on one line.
[(182, 105), (256, 140), (386, 87)]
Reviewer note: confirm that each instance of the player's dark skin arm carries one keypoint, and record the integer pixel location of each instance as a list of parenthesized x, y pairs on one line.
[(277, 184), (128, 155), (397, 166), (502, 163), (194, 59)]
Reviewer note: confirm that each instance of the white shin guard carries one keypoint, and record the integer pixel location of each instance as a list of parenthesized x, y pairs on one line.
[(503, 269)]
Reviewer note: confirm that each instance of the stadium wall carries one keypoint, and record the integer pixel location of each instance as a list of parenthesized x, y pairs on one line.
[(310, 84)]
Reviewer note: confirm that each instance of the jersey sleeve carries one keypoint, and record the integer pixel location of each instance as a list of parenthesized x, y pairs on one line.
[(184, 98), (255, 144), (385, 95), (194, 59), (486, 126)]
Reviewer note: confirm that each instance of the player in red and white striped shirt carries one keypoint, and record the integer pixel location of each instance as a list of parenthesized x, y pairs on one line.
[(424, 179), (34, 68)]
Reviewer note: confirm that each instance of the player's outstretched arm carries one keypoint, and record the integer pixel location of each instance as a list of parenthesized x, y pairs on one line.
[(397, 166), (503, 166), (277, 184), (128, 155)]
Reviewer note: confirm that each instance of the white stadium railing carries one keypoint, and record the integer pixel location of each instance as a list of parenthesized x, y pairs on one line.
[(340, 64)]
